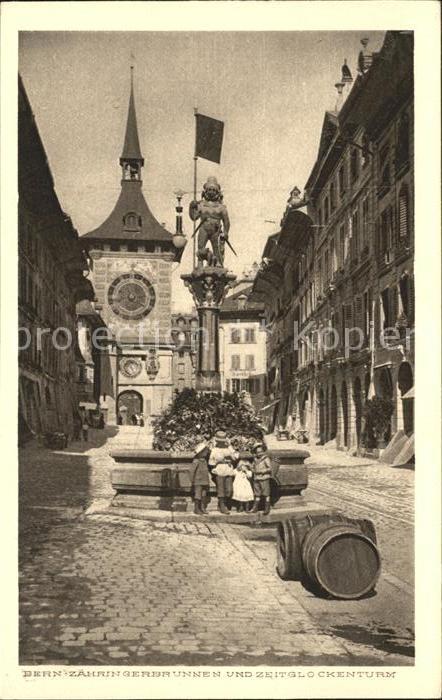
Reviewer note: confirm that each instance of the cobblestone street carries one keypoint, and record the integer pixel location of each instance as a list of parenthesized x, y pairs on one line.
[(103, 589)]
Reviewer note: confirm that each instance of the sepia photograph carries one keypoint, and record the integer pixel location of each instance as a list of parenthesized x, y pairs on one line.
[(216, 353)]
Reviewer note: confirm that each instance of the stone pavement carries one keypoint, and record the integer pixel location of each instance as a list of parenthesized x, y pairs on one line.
[(110, 590)]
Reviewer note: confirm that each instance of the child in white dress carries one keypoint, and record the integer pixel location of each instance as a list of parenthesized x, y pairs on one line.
[(242, 488)]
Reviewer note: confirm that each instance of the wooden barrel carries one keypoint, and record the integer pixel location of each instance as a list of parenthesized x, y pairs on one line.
[(288, 551), (341, 560)]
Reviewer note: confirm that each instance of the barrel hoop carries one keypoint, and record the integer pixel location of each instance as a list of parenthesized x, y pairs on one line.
[(333, 536), (288, 551)]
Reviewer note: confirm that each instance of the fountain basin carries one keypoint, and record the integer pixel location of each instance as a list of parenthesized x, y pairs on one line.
[(166, 474), (157, 485)]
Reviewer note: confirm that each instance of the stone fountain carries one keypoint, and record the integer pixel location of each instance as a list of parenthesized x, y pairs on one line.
[(158, 484)]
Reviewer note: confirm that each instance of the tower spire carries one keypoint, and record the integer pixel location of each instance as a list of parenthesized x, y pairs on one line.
[(131, 159)]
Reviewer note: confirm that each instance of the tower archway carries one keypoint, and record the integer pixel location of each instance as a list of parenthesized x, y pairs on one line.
[(129, 403)]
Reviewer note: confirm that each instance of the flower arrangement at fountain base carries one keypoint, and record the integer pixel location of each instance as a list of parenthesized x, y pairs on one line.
[(195, 416)]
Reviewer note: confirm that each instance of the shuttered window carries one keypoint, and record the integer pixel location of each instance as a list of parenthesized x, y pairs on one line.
[(410, 314), (348, 320), (250, 362), (250, 335), (358, 313), (403, 215), (236, 362), (235, 335)]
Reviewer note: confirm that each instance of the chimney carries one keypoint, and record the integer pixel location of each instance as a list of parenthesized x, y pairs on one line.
[(339, 99), (365, 58)]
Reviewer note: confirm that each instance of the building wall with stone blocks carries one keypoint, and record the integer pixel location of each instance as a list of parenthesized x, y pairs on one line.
[(139, 351), (109, 266)]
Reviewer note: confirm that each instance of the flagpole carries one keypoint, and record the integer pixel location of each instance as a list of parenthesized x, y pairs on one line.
[(195, 161)]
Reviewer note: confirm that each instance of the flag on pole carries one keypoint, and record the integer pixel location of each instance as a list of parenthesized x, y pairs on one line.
[(209, 138)]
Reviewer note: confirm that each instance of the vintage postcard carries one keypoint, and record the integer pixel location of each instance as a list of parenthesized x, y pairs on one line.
[(220, 234)]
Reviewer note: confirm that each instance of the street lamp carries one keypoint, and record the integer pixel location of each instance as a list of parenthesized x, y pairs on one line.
[(179, 239)]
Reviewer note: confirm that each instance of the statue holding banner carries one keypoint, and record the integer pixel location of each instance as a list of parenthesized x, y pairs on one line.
[(214, 224)]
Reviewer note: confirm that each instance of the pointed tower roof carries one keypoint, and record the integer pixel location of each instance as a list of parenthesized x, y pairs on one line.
[(131, 148), (131, 218)]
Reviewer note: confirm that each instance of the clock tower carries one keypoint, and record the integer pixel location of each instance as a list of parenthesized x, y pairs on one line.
[(131, 263)]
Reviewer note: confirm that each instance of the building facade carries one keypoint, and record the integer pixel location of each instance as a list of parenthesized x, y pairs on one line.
[(88, 356), (51, 280), (131, 262), (243, 342), (338, 281)]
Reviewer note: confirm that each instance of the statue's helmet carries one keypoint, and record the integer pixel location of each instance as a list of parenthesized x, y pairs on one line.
[(212, 182), (212, 185)]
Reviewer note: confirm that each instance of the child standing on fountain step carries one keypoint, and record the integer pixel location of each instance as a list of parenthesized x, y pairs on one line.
[(262, 473), (200, 478), (242, 488), (221, 457)]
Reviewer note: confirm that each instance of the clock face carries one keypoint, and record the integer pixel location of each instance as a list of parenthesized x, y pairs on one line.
[(130, 366), (131, 296)]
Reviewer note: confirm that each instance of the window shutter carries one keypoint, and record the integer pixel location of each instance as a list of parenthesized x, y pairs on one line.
[(403, 215), (359, 313), (411, 299)]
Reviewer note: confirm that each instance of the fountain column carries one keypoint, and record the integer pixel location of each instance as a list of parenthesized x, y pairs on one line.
[(208, 286)]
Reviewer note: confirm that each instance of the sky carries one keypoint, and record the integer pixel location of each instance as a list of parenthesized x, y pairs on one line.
[(270, 88)]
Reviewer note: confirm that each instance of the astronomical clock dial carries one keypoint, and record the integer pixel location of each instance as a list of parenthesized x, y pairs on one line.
[(131, 296), (130, 366)]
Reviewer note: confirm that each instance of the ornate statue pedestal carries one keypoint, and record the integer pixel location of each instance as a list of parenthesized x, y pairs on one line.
[(209, 286)]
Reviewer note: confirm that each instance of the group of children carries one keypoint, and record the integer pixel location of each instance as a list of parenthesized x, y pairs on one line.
[(243, 482)]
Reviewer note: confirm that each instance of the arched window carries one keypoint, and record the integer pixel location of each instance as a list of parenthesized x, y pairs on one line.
[(404, 225), (132, 220)]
